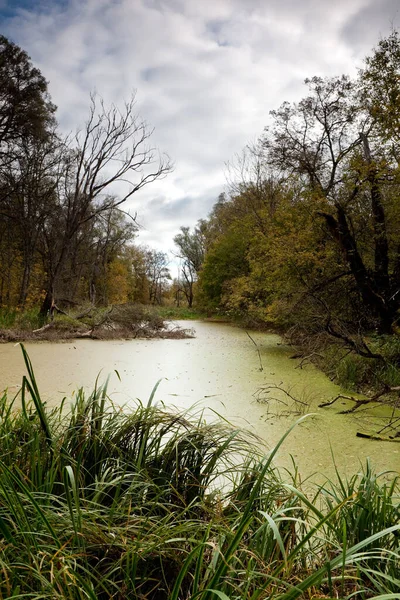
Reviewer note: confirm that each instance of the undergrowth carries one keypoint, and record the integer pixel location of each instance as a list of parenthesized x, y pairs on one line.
[(111, 503), (356, 372), (178, 312)]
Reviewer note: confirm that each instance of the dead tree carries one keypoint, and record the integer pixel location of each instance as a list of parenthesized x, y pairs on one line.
[(113, 148)]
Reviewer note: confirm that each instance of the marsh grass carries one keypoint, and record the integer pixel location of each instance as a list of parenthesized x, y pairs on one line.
[(177, 313), (109, 503), (24, 320)]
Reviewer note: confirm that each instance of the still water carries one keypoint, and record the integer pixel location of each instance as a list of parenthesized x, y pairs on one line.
[(218, 370)]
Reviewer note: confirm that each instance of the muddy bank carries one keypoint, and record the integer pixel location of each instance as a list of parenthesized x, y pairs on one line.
[(122, 322)]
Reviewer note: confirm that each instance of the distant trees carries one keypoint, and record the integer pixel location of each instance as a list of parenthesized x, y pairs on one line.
[(191, 249), (157, 273)]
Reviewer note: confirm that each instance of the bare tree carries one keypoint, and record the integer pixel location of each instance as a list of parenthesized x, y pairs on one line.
[(111, 150), (157, 272), (191, 252)]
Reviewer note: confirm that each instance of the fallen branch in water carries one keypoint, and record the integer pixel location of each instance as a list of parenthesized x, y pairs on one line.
[(336, 398), (296, 407), (267, 388), (387, 389), (258, 350), (306, 359), (377, 438), (394, 419)]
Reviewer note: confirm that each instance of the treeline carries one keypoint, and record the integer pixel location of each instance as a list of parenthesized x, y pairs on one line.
[(308, 235), (64, 235)]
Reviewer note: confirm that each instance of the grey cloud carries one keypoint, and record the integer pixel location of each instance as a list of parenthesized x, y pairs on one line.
[(207, 75), (373, 20), (161, 220)]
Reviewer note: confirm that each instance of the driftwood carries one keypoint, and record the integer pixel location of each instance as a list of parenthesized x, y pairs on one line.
[(387, 389), (258, 350), (377, 438), (42, 328), (85, 334)]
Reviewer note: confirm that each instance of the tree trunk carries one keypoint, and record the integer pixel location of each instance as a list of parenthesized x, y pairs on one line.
[(48, 303), (369, 292), (23, 292), (379, 223)]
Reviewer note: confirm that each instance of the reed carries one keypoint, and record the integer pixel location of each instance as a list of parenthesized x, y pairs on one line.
[(113, 503)]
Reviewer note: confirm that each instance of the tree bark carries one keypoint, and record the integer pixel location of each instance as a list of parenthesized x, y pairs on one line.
[(379, 223), (368, 289)]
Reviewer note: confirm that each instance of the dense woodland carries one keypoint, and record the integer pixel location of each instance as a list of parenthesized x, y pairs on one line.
[(310, 226)]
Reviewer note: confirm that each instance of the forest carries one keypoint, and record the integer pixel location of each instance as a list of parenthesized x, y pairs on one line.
[(64, 233), (304, 240)]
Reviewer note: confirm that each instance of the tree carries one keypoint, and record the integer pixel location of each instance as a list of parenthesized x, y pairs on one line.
[(191, 252), (380, 93), (59, 198), (225, 260), (113, 233), (325, 140), (111, 149), (31, 181), (26, 110), (157, 272)]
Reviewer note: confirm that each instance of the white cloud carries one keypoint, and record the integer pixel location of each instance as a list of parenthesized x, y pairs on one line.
[(207, 74)]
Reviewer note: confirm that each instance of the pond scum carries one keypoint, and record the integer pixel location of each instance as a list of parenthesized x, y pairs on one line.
[(107, 503)]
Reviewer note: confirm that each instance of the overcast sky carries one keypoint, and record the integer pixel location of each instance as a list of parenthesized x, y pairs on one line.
[(207, 73)]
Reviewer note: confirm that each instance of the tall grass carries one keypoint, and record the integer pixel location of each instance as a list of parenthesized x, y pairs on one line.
[(111, 503), (27, 319)]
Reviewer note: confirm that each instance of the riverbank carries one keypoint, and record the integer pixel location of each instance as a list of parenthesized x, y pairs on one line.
[(126, 321), (128, 504)]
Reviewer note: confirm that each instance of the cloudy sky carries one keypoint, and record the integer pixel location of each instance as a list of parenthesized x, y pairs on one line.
[(207, 73)]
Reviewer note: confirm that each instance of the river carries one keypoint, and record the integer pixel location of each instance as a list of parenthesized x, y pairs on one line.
[(218, 370)]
